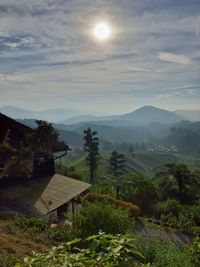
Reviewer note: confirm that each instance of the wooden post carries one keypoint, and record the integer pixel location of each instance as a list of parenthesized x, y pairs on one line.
[(72, 206)]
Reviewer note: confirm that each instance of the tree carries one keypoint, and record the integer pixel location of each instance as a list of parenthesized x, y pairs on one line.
[(180, 174), (45, 138), (91, 146), (117, 165)]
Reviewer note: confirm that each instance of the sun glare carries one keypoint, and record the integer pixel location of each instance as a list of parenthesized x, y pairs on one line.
[(102, 31)]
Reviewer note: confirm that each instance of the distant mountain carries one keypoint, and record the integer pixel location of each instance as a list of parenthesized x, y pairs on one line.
[(48, 114), (192, 115), (86, 118), (140, 117), (149, 114)]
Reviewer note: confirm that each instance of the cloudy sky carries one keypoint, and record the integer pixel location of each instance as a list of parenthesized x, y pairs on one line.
[(50, 58)]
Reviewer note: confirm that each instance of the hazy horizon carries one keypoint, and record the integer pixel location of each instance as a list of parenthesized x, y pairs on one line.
[(50, 57), (79, 112)]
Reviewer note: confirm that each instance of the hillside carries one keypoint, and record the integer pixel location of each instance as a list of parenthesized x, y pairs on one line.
[(142, 162)]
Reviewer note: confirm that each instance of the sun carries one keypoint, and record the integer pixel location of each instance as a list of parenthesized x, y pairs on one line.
[(102, 31)]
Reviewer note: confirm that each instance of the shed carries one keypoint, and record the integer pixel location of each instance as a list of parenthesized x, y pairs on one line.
[(42, 196)]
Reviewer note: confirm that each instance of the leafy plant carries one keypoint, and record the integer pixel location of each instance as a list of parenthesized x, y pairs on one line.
[(194, 252), (97, 250)]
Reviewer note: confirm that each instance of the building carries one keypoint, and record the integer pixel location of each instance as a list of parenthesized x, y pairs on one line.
[(47, 196), (44, 193)]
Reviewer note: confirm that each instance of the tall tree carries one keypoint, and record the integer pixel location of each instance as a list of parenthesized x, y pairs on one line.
[(117, 165), (91, 145)]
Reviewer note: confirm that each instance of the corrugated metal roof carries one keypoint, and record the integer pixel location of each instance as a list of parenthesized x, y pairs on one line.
[(44, 195)]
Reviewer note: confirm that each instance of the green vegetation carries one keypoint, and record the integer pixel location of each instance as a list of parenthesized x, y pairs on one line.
[(133, 210), (119, 250), (128, 190), (91, 146), (99, 216)]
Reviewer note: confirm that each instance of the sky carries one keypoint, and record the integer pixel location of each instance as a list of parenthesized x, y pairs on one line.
[(50, 58)]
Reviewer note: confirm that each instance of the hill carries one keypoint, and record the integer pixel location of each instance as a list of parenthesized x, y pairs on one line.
[(143, 116), (149, 114), (48, 114), (86, 118)]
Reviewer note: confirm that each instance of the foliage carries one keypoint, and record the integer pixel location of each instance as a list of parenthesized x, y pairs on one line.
[(143, 193), (194, 252), (19, 165), (180, 174), (7, 259), (169, 207), (97, 250), (95, 217), (117, 163), (91, 146), (92, 197), (183, 217), (44, 138), (162, 253), (39, 229)]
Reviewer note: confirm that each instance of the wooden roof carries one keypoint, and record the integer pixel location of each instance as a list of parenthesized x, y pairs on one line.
[(41, 196)]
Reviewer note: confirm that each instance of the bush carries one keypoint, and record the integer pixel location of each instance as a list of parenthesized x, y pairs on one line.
[(7, 259), (92, 197), (183, 217), (162, 253), (194, 252), (99, 216), (170, 206), (39, 229)]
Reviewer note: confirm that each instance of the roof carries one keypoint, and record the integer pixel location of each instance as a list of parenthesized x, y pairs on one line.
[(41, 196), (18, 131), (14, 124)]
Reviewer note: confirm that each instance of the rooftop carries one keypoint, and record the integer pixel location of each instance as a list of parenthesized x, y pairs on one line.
[(41, 196)]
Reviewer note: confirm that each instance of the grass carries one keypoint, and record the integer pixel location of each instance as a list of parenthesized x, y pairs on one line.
[(15, 241)]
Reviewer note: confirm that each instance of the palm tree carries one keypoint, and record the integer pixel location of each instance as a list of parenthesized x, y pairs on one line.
[(179, 173), (91, 145)]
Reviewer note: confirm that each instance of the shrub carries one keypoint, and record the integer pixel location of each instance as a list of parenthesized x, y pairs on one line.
[(170, 206), (194, 252), (162, 253), (39, 229), (7, 259), (99, 216), (92, 197), (183, 217)]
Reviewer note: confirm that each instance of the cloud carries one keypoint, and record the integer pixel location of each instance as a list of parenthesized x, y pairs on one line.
[(174, 58), (133, 69), (47, 46), (12, 78)]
